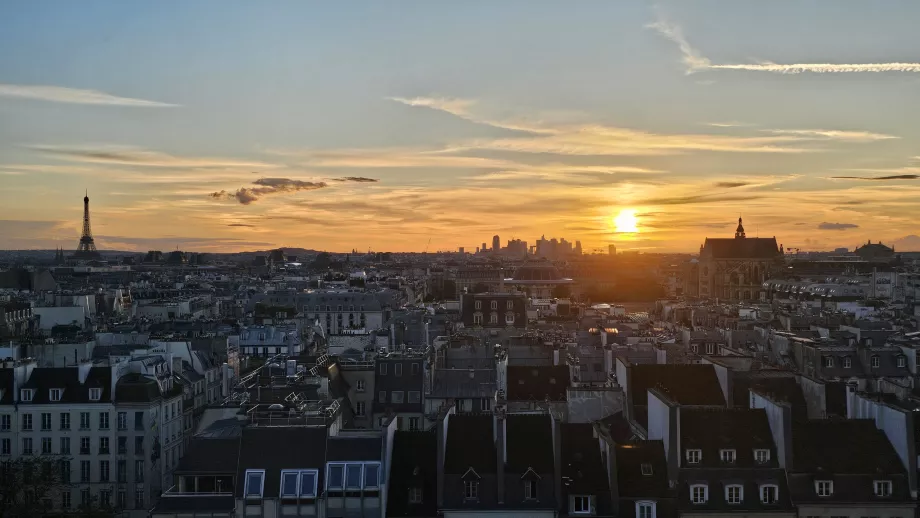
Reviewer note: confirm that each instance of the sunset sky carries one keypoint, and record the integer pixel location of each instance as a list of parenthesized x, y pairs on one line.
[(231, 126)]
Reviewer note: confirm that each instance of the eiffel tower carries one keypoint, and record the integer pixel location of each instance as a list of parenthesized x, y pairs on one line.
[(86, 250)]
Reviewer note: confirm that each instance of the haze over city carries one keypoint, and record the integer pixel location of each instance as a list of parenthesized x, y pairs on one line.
[(231, 126)]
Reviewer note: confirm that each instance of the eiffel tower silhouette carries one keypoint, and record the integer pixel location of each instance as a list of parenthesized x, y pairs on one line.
[(86, 250)]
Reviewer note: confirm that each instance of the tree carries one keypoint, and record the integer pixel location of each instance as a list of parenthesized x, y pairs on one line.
[(28, 484)]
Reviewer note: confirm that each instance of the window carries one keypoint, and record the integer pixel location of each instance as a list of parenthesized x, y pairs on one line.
[(646, 469), (645, 509), (875, 362), (55, 394), (727, 456), (768, 494), (509, 318), (828, 361), (335, 478), (95, 394), (84, 471), (103, 420), (694, 456), (882, 488), (397, 369), (581, 504), (530, 490), (383, 369), (139, 498), (122, 499), (471, 490), (485, 404), (138, 445), (415, 369), (478, 304), (382, 396), (493, 318), (494, 304), (6, 446), (122, 420), (371, 476), (139, 471), (84, 420), (477, 319), (396, 396), (26, 421), (699, 494), (85, 499), (360, 409), (138, 421), (254, 483), (122, 445), (103, 471), (710, 348), (359, 386), (104, 445), (415, 396), (105, 498), (26, 395), (307, 485), (413, 424), (27, 446), (353, 476), (902, 362), (290, 484), (847, 362), (734, 494), (762, 456), (46, 421), (65, 420), (65, 446), (5, 422), (415, 495), (84, 445), (65, 471), (824, 487), (46, 445), (65, 500), (122, 471)]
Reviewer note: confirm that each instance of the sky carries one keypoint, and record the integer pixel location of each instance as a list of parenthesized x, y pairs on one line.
[(224, 126)]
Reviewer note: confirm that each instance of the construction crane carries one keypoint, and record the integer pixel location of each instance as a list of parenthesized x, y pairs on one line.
[(426, 246)]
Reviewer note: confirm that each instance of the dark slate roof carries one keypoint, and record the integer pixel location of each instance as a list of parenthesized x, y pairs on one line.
[(631, 481), (188, 504), (529, 443), (686, 384), (583, 471), (42, 379), (711, 430), (717, 479), (414, 464), (344, 448), (784, 389), (210, 456), (276, 448), (470, 444), (618, 428), (746, 248), (526, 383), (135, 388), (6, 386), (843, 446)]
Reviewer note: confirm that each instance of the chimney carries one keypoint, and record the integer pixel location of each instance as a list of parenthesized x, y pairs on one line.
[(498, 424), (557, 459), (441, 432), (851, 400), (555, 356), (83, 369)]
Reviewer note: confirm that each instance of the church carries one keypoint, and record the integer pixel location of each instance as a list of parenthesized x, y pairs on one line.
[(735, 268)]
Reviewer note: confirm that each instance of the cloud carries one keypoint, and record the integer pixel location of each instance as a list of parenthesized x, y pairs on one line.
[(61, 94), (694, 61), (729, 124), (853, 136), (879, 178), (836, 226), (268, 186), (695, 199), (240, 225), (730, 185), (141, 157), (453, 106)]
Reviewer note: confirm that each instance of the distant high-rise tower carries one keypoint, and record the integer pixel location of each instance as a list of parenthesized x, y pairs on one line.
[(612, 249), (87, 247), (496, 244)]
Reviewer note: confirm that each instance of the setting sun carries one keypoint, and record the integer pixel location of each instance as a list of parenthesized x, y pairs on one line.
[(626, 221)]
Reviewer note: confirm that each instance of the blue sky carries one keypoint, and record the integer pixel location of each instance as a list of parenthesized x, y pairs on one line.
[(239, 125)]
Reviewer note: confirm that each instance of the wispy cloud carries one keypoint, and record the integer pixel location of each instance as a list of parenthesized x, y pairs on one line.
[(879, 178), (836, 226), (852, 136), (730, 185), (268, 186), (694, 61), (696, 199), (141, 157), (61, 94), (730, 124)]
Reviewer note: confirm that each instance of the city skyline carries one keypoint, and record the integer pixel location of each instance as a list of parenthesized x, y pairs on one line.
[(370, 127)]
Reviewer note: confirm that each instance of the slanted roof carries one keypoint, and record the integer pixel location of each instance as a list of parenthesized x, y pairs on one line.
[(740, 248), (742, 430), (537, 383), (583, 471), (414, 464), (470, 443), (631, 481), (42, 379), (529, 443), (210, 456), (277, 448), (686, 384), (843, 446), (344, 448)]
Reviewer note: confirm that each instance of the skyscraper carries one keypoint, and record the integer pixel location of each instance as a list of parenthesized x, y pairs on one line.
[(496, 244)]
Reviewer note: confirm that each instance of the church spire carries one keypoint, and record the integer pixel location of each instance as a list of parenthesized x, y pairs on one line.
[(739, 232)]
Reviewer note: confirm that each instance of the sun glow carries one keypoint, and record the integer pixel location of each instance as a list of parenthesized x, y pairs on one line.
[(626, 221)]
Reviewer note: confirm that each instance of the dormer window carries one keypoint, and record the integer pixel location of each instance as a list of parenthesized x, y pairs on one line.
[(882, 488), (769, 493), (478, 304), (530, 490), (710, 348), (695, 348), (298, 483), (26, 395), (902, 362), (55, 394), (875, 361), (645, 509), (415, 495), (471, 490), (254, 483), (847, 362), (727, 456), (646, 469), (828, 361), (494, 304), (580, 504), (734, 494), (762, 456), (699, 493), (694, 456), (824, 487)]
